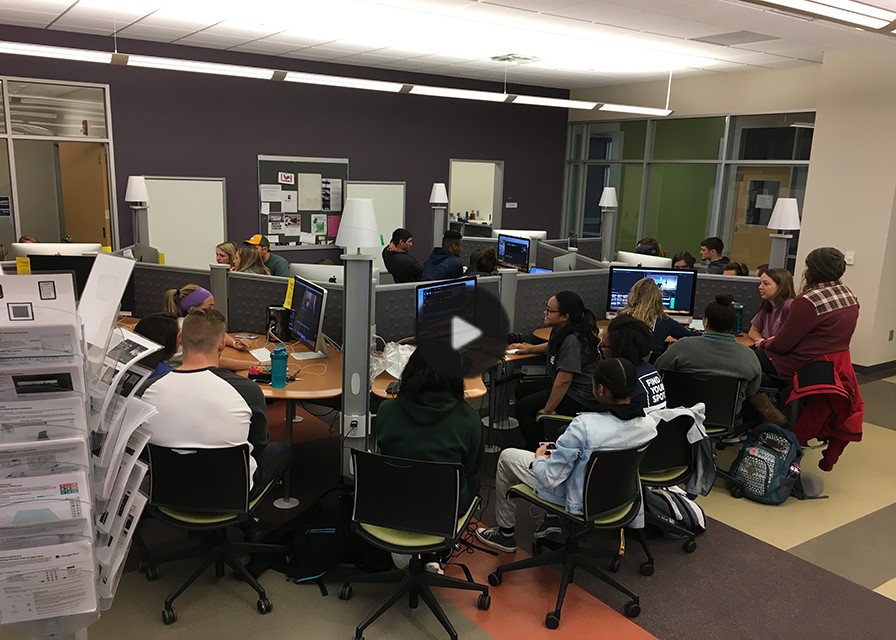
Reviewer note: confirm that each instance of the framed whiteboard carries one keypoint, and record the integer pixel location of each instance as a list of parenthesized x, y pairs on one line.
[(186, 218), (389, 204)]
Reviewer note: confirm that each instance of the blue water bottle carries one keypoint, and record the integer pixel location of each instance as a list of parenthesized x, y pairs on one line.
[(278, 367), (738, 318)]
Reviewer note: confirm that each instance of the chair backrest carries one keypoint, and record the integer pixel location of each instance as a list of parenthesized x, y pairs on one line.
[(411, 495), (670, 448), (718, 393), (202, 480), (612, 481)]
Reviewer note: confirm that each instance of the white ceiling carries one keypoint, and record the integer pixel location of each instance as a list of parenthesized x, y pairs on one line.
[(577, 43)]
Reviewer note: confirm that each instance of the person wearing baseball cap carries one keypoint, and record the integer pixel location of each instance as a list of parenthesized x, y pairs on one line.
[(277, 265)]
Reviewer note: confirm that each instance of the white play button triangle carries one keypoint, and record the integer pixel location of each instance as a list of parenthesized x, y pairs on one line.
[(462, 333)]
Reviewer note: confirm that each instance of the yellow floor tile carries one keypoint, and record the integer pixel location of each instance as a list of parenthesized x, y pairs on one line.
[(863, 481), (888, 589)]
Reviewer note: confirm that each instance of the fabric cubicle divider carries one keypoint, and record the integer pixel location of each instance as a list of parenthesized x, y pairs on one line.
[(471, 244), (532, 291), (743, 288), (396, 311), (151, 281), (590, 247), (545, 254), (584, 263)]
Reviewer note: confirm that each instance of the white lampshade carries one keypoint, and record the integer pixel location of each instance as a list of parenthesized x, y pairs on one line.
[(608, 197), (136, 190), (786, 215), (439, 194), (358, 227)]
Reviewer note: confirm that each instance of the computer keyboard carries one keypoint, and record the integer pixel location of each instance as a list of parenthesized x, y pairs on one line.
[(261, 354)]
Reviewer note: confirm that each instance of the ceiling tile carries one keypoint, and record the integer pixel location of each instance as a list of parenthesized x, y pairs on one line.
[(23, 18), (206, 39)]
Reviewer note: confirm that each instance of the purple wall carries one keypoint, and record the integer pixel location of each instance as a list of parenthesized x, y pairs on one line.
[(185, 124)]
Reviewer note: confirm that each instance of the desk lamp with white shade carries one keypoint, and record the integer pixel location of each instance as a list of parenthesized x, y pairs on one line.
[(785, 217), (138, 194), (438, 198), (608, 204)]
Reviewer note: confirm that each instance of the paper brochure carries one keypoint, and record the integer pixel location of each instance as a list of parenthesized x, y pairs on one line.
[(25, 501), (43, 458), (41, 419)]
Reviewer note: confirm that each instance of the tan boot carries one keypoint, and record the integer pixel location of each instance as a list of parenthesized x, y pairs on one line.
[(767, 410)]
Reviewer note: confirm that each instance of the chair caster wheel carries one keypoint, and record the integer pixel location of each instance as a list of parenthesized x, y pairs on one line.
[(552, 620), (264, 605), (632, 609), (737, 492), (616, 564), (537, 549), (151, 572), (484, 602), (345, 592), (495, 579), (690, 546), (646, 568), (169, 615)]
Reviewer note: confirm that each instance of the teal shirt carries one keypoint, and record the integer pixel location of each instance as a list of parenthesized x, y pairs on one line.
[(277, 265)]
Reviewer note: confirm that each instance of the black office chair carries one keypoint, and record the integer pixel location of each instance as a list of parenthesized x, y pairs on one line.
[(719, 394), (669, 460), (612, 499), (410, 507), (206, 491)]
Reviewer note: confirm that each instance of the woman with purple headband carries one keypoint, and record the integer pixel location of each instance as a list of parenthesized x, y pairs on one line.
[(179, 302)]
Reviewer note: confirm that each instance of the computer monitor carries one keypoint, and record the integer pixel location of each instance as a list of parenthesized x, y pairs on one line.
[(566, 262), (514, 253), (642, 260), (678, 287), (439, 302), (79, 267), (540, 270), (533, 234), (22, 249), (321, 273), (309, 304)]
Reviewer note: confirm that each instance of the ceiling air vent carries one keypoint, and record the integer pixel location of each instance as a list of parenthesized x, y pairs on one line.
[(518, 58), (735, 38)]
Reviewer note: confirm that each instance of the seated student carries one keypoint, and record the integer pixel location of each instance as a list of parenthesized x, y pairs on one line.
[(761, 269), (572, 355), (161, 328), (711, 249), (276, 265), (483, 263), (648, 247), (202, 405), (559, 476), (776, 291), (717, 353), (398, 259), (29, 238), (225, 253), (248, 260), (443, 263), (429, 420), (628, 338), (736, 269), (645, 302), (683, 260)]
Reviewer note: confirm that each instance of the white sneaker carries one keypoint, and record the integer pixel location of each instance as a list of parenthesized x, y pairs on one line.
[(434, 567)]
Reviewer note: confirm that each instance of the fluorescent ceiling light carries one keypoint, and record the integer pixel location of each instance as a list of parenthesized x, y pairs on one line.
[(627, 108), (847, 11), (803, 125), (466, 94), (173, 64), (61, 53), (338, 81), (554, 102)]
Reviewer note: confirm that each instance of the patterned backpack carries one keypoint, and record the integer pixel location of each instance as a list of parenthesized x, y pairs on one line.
[(768, 465)]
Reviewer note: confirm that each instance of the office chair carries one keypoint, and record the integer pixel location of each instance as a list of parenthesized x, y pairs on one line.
[(669, 461), (719, 394), (612, 499), (206, 491), (410, 507)]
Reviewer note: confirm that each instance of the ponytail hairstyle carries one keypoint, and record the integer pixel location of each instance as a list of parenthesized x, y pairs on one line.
[(179, 301), (645, 302), (582, 323), (720, 314), (617, 376)]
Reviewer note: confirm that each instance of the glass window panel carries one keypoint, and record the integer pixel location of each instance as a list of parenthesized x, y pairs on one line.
[(599, 146), (783, 136), (688, 139), (617, 140), (2, 115), (39, 109), (572, 199), (679, 205), (750, 194), (597, 179), (634, 135), (576, 142), (7, 227), (630, 178)]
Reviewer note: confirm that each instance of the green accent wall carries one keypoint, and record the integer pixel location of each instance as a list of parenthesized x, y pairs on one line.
[(679, 205), (688, 139)]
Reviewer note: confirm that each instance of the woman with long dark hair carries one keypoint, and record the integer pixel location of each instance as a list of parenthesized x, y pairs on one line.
[(572, 354)]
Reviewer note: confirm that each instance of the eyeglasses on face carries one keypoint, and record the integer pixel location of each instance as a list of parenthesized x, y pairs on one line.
[(548, 310)]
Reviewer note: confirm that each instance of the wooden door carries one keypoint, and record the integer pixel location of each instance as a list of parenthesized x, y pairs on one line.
[(84, 178)]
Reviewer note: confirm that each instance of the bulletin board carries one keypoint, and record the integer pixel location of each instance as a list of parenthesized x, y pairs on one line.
[(301, 199)]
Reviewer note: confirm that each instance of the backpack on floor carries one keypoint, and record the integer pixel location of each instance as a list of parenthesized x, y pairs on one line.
[(673, 505), (768, 464)]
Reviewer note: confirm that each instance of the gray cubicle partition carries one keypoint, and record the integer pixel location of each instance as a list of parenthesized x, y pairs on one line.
[(583, 263), (333, 316), (151, 281), (590, 247), (533, 291), (545, 254), (470, 245), (743, 288)]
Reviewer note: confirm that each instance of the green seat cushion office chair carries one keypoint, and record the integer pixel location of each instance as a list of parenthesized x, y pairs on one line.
[(205, 491), (410, 507), (612, 499)]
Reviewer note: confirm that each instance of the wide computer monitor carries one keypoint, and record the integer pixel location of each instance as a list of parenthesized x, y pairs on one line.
[(22, 249), (533, 234), (678, 287), (79, 267), (514, 253), (642, 260), (309, 304), (566, 262), (439, 302)]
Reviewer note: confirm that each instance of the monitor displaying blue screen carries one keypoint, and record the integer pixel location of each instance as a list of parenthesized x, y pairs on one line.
[(513, 252), (678, 287), (540, 270), (438, 303)]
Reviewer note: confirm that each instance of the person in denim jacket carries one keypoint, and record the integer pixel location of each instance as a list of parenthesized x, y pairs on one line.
[(559, 475)]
